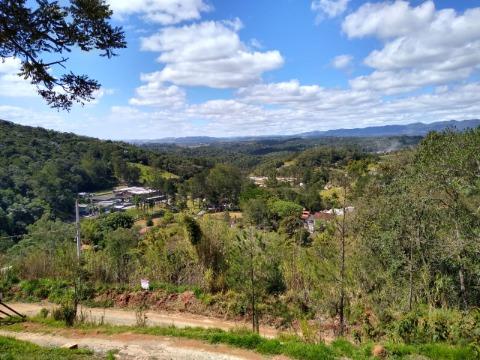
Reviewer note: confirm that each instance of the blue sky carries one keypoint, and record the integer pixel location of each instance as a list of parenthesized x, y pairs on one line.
[(258, 67)]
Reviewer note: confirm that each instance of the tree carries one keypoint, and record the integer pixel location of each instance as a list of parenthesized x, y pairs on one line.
[(284, 208), (120, 249), (256, 212), (224, 183), (116, 220), (32, 34), (250, 263), (132, 174)]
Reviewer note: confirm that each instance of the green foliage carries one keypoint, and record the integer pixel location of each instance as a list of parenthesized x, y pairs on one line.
[(417, 222), (116, 220), (438, 325), (41, 289), (11, 349), (49, 28), (193, 230), (120, 251), (41, 171), (223, 184), (282, 208), (257, 213)]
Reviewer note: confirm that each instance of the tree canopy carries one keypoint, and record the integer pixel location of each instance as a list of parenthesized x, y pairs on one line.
[(41, 35)]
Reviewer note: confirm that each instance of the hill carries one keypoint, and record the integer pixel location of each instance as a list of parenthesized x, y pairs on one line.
[(41, 171), (414, 129)]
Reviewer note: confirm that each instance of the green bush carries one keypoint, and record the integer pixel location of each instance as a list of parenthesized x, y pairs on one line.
[(44, 313), (7, 280), (41, 289), (438, 325), (67, 310)]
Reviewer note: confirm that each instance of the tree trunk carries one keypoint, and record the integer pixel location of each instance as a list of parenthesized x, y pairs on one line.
[(463, 291)]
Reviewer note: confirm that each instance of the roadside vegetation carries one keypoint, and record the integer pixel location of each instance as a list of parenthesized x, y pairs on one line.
[(288, 345), (11, 349)]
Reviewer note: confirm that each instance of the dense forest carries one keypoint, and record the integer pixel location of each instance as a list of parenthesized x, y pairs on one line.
[(42, 171), (393, 255)]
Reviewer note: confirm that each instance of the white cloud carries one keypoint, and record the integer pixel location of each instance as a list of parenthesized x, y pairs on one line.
[(156, 94), (165, 12), (266, 109), (309, 97), (289, 108), (388, 19), (208, 54), (26, 116), (422, 46), (329, 8), (11, 85), (394, 82), (342, 61)]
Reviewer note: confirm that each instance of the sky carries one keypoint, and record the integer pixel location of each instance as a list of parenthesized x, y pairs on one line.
[(268, 67)]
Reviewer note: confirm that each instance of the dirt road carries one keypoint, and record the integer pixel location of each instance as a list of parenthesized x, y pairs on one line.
[(154, 318), (141, 347)]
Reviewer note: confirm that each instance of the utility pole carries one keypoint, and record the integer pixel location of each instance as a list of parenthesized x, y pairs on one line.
[(79, 250), (77, 226)]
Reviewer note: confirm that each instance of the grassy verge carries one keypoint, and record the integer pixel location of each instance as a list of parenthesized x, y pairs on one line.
[(11, 349), (290, 346)]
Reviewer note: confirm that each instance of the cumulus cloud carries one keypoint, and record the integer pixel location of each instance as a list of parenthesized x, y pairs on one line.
[(290, 107), (26, 116), (329, 8), (208, 54), (165, 12), (402, 81), (422, 46), (156, 94), (387, 19), (312, 97), (266, 109), (11, 85), (342, 61)]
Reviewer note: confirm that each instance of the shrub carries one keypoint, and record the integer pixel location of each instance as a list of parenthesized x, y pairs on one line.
[(43, 313), (141, 315), (438, 325), (69, 313)]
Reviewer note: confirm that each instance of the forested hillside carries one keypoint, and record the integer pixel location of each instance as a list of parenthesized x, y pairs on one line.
[(41, 171)]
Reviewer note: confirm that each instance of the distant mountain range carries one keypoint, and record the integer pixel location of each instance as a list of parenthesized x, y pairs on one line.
[(414, 129)]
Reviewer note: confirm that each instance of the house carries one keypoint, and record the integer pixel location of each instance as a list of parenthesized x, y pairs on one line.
[(125, 193), (339, 212), (305, 215), (259, 180), (84, 209), (313, 220)]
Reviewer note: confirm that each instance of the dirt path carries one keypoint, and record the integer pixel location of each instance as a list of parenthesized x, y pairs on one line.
[(154, 318), (133, 346)]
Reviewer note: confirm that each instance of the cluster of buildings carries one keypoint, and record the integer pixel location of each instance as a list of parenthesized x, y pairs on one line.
[(261, 181), (311, 220), (120, 199)]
